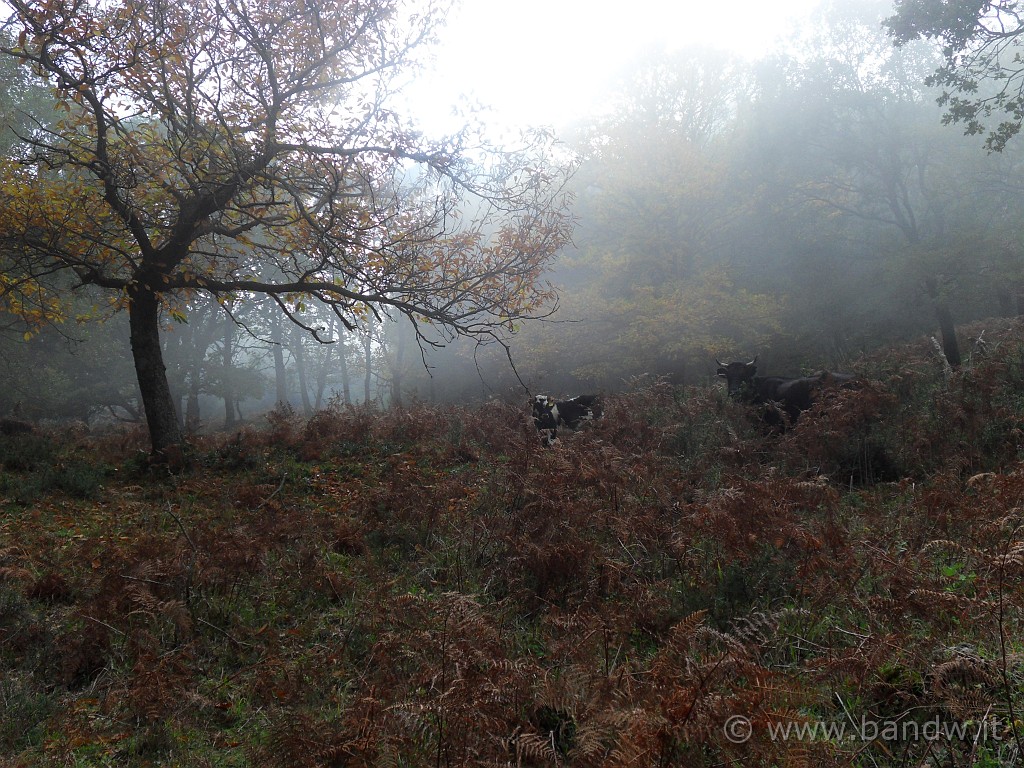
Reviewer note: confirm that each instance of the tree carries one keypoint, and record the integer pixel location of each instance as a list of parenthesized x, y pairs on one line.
[(649, 287), (983, 71), (68, 372), (873, 151), (692, 93), (206, 146), (24, 103), (889, 171)]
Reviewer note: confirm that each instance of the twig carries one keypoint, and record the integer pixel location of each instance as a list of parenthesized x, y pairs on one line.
[(195, 554), (277, 490), (977, 736), (103, 624), (947, 369), (188, 538), (226, 634), (1004, 662)]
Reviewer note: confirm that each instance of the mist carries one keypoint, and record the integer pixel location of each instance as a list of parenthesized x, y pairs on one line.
[(807, 206)]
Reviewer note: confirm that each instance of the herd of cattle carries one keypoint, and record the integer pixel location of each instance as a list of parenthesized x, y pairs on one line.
[(782, 399)]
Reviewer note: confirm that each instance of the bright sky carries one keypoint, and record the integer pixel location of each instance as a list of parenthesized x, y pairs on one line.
[(545, 61)]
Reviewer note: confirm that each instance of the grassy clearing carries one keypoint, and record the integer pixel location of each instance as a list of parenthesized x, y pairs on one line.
[(429, 587)]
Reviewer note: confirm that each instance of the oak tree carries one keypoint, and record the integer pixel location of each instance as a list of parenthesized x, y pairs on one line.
[(235, 149), (982, 73)]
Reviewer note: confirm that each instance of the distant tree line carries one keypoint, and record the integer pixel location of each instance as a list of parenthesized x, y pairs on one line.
[(810, 207)]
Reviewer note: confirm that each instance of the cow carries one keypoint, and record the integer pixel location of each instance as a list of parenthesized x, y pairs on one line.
[(549, 414), (15, 427), (785, 398)]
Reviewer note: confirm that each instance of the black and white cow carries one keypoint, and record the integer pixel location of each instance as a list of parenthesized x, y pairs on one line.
[(549, 414)]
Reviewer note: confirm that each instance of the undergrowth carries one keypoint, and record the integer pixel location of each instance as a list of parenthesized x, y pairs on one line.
[(674, 586)]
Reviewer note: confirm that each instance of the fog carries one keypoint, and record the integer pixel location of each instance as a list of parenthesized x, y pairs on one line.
[(807, 205), (544, 62)]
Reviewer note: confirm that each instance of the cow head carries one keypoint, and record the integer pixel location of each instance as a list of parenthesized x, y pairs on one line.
[(738, 376), (545, 412), (545, 418)]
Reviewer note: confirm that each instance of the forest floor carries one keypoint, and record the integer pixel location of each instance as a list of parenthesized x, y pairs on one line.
[(431, 587)]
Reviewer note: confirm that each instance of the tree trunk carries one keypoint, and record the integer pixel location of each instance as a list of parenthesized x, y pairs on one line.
[(321, 379), (144, 323), (321, 371), (1007, 306), (192, 416), (950, 346), (396, 371), (177, 397), (173, 347), (204, 331), (947, 328), (300, 367), (346, 383), (368, 363), (280, 374), (228, 390), (195, 363)]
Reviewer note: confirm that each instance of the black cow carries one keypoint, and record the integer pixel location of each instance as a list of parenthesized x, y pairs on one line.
[(15, 427), (785, 398), (549, 415)]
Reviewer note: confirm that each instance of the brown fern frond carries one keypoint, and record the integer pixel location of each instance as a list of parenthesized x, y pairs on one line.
[(946, 547), (756, 628), (714, 641), (177, 613), (15, 574), (141, 600), (929, 599), (799, 756), (683, 631), (965, 671), (1012, 560), (295, 742), (536, 746)]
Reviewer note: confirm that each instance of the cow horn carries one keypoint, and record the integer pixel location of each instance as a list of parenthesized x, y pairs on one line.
[(720, 363), (754, 361)]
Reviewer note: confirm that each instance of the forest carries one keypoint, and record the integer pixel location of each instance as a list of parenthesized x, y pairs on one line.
[(270, 491), (810, 207)]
